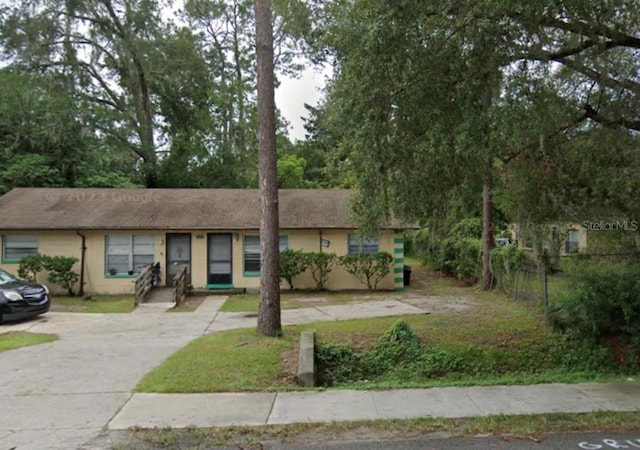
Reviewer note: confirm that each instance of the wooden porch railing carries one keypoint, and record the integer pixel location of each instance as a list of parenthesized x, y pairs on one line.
[(143, 285), (180, 286)]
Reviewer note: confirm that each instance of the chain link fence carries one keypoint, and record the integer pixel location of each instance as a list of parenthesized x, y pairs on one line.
[(534, 281)]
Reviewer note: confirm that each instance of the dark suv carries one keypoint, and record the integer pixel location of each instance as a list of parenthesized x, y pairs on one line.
[(21, 299)]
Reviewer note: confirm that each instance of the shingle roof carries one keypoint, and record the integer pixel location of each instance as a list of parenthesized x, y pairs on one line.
[(170, 209)]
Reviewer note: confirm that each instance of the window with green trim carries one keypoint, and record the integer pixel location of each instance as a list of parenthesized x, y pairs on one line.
[(358, 244), (251, 251), (17, 246), (128, 254)]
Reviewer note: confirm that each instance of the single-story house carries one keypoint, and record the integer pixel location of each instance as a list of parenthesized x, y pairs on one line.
[(566, 238), (214, 232)]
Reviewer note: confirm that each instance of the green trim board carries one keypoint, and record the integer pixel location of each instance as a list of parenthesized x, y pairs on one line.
[(398, 280), (398, 270), (398, 240), (251, 274), (398, 260), (219, 286), (398, 251)]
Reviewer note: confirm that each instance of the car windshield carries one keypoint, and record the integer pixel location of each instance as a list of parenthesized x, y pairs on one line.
[(6, 277)]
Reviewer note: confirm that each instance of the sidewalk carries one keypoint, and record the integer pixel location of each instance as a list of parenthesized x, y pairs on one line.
[(253, 409)]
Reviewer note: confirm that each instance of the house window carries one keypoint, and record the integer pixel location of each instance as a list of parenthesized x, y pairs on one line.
[(571, 244), (126, 254), (15, 247), (358, 244), (251, 252)]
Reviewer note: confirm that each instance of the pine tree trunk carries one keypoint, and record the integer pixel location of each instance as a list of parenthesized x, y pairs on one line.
[(269, 321)]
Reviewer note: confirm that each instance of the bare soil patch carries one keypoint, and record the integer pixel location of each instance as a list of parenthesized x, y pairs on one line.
[(441, 304), (189, 304)]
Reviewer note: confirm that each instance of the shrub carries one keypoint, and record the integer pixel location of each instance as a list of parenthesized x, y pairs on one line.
[(368, 268), (30, 266), (603, 301), (461, 250), (461, 257), (507, 263), (397, 347), (321, 264), (438, 363), (292, 264), (60, 272)]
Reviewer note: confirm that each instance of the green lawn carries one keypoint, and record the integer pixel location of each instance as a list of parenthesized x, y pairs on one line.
[(98, 304), (237, 360), (531, 287), (17, 339), (496, 332)]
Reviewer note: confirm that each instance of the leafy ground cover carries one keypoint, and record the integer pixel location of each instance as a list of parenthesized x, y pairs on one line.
[(17, 339), (97, 304)]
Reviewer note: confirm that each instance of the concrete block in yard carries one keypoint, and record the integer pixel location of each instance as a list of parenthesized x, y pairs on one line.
[(306, 366)]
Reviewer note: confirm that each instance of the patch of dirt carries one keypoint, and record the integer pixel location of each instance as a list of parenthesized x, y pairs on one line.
[(430, 274), (311, 300), (360, 342), (192, 302), (67, 308), (289, 364), (441, 304)]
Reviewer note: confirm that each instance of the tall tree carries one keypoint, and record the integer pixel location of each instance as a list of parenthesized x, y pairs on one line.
[(419, 98), (102, 48), (269, 321), (225, 30)]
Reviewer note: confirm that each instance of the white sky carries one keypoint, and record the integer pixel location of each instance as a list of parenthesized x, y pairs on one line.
[(292, 94)]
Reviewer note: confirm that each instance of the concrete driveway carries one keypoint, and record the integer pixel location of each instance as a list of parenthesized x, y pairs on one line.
[(61, 394)]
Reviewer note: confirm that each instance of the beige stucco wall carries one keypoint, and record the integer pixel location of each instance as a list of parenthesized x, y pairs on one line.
[(97, 280), (339, 279), (582, 237), (63, 243)]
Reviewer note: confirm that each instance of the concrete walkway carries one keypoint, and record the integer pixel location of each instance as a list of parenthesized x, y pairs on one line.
[(214, 410), (60, 395)]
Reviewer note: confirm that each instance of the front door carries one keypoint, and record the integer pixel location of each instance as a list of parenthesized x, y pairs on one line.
[(219, 256), (178, 255)]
